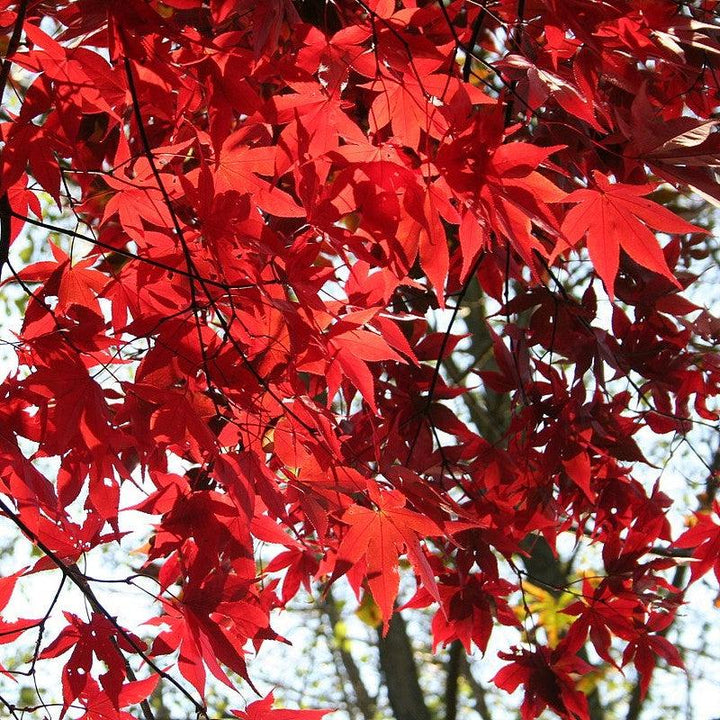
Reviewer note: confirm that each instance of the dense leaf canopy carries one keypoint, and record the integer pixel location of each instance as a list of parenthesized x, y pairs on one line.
[(252, 216)]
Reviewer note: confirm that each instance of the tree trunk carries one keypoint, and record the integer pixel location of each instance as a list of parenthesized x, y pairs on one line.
[(400, 674)]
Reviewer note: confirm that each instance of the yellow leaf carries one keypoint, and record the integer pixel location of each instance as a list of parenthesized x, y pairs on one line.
[(369, 612), (547, 610), (164, 11)]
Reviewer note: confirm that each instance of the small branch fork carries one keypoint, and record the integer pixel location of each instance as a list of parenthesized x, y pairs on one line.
[(192, 270), (71, 572)]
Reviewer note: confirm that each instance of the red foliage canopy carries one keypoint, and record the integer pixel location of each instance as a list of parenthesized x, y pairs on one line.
[(265, 203)]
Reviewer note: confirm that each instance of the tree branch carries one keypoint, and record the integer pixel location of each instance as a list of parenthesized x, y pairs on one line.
[(130, 255), (470, 47), (5, 209), (5, 229), (13, 45), (72, 572)]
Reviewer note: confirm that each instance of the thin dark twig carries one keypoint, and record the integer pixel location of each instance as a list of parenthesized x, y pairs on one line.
[(192, 268), (469, 51), (470, 48), (130, 255), (443, 345), (72, 572), (9, 707), (446, 336), (13, 45), (5, 209), (5, 229), (515, 40), (190, 264)]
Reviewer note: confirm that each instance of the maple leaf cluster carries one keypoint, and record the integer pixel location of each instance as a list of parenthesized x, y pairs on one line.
[(264, 203)]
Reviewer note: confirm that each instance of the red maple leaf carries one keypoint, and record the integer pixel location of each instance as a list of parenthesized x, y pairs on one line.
[(616, 215), (97, 637), (403, 102), (547, 678), (263, 710), (380, 536), (704, 539), (239, 167)]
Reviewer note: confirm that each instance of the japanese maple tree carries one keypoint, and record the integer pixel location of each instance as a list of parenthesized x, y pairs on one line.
[(252, 217)]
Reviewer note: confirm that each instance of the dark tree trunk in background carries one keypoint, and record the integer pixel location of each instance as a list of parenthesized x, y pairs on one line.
[(400, 673)]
